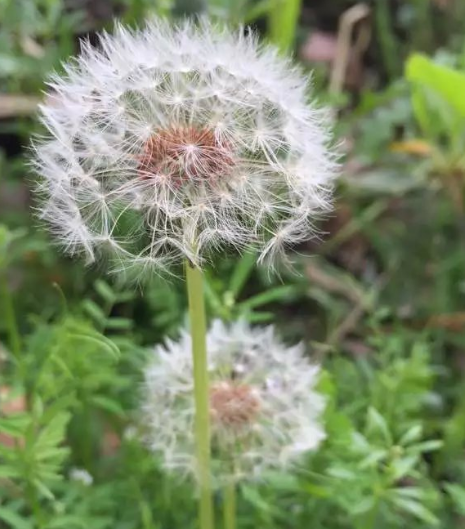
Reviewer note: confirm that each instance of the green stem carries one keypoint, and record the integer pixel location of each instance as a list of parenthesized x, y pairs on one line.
[(34, 506), (10, 317), (454, 435), (387, 40), (282, 23), (229, 508), (201, 391)]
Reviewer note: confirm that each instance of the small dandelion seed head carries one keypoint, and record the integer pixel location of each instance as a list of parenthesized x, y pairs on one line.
[(177, 142), (264, 409)]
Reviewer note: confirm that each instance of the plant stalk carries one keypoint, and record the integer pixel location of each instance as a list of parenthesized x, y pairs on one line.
[(198, 331), (229, 506), (282, 23)]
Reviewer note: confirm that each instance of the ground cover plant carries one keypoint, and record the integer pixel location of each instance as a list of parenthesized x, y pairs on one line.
[(96, 368)]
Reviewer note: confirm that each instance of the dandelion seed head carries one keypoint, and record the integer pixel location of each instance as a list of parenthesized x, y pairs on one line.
[(179, 141), (264, 409)]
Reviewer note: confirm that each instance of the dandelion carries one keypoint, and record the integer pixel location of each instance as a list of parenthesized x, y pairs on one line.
[(264, 409), (166, 145), (172, 143)]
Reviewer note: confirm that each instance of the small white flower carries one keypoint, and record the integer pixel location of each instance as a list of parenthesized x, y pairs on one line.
[(173, 142), (81, 476), (264, 415)]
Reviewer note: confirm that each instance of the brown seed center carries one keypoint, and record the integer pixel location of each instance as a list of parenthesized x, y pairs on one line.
[(233, 405), (185, 154)]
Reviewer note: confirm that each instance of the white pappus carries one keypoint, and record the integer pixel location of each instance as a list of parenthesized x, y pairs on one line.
[(173, 142), (265, 411)]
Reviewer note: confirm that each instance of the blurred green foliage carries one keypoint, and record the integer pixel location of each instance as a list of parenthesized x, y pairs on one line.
[(382, 306)]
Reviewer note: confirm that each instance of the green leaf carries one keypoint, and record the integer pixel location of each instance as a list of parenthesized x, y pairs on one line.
[(253, 496), (413, 434), (108, 404), (363, 506), (449, 83), (105, 292), (373, 458), (8, 471), (457, 495), (402, 467), (213, 299), (123, 324), (94, 311), (43, 489), (282, 481), (68, 521), (377, 424), (416, 509), (427, 446), (341, 472), (14, 425), (257, 10), (259, 317), (14, 520), (99, 341), (318, 491), (53, 434), (280, 293), (242, 272)]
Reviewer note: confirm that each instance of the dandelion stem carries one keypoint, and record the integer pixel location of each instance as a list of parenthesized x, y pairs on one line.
[(201, 393), (229, 506), (10, 317)]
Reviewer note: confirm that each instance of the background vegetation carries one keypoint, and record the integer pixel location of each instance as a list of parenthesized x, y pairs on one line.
[(380, 302)]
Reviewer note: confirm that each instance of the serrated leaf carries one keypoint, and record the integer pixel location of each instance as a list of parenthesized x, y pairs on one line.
[(52, 453), (53, 433), (43, 489), (14, 425)]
